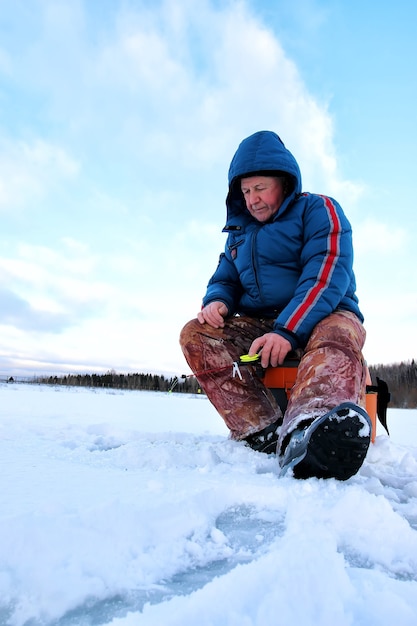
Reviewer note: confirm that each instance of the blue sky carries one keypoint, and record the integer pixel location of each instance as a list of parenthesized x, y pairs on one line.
[(118, 121)]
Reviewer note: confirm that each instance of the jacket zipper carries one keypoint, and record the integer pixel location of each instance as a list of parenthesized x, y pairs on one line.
[(235, 244), (254, 263)]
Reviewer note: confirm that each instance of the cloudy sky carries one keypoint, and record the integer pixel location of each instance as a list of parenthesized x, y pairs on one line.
[(118, 121)]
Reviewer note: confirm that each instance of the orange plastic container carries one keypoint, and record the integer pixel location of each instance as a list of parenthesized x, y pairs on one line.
[(371, 400), (282, 377), (371, 405)]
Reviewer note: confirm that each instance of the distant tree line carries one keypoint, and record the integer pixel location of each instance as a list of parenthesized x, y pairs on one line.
[(401, 379), (113, 380)]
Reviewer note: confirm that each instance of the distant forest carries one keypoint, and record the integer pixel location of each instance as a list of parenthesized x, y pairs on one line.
[(113, 380), (400, 377)]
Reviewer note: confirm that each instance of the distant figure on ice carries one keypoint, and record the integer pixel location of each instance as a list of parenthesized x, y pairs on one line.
[(284, 283)]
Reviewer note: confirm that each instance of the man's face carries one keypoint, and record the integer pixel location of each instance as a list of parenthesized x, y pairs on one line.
[(263, 195)]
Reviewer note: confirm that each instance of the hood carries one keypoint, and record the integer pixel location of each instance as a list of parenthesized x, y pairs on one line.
[(263, 154)]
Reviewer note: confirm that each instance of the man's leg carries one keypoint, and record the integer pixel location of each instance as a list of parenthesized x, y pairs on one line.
[(243, 401), (329, 394)]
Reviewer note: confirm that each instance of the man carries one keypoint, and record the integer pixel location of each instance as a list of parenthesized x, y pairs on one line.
[(284, 283)]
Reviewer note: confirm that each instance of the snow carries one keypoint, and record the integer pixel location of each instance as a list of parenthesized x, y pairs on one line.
[(133, 508)]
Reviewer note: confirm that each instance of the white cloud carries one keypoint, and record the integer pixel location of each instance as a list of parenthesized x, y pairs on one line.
[(373, 235), (61, 282), (30, 170), (391, 326), (180, 84), (184, 83)]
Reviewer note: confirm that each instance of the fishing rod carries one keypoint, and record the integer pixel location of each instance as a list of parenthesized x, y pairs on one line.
[(245, 359)]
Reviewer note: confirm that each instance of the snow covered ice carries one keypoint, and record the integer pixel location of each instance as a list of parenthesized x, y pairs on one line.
[(133, 508)]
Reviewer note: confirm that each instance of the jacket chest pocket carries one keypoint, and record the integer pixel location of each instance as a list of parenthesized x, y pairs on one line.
[(233, 247)]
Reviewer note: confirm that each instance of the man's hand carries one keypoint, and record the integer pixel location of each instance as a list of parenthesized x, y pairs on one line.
[(213, 314), (274, 349)]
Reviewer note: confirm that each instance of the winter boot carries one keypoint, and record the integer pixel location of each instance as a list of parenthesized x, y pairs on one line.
[(266, 439), (334, 445)]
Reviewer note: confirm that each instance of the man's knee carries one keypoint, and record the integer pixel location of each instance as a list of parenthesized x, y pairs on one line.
[(190, 329), (338, 329)]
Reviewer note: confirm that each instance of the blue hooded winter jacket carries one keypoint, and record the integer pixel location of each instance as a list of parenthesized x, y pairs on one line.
[(296, 268)]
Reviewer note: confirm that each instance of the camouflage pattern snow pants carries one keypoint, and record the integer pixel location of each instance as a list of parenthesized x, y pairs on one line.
[(331, 371)]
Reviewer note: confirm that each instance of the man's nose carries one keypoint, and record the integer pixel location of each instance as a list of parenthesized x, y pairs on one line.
[(253, 197)]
